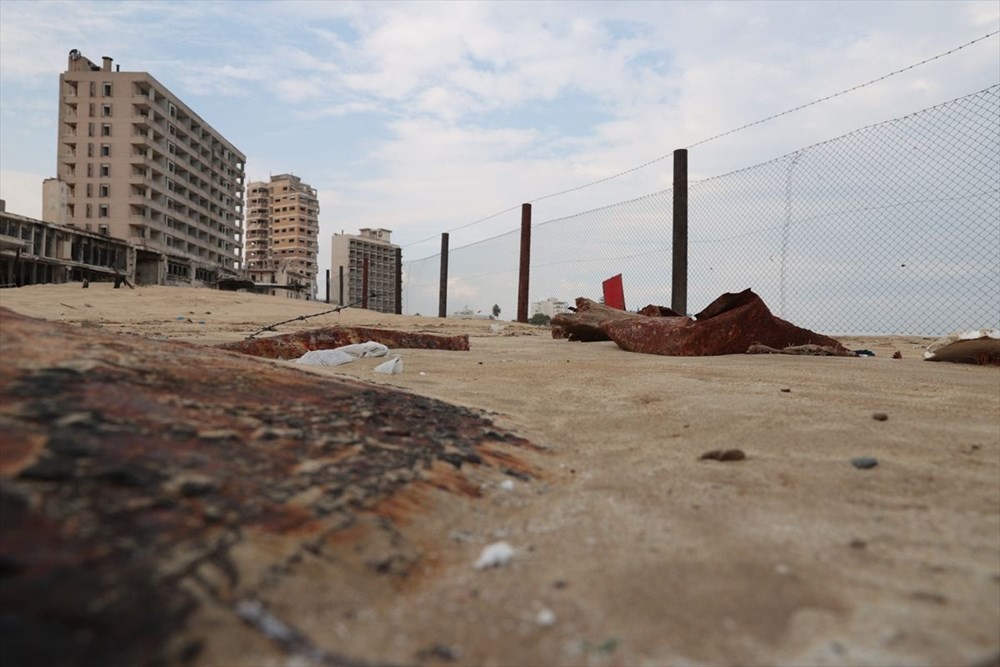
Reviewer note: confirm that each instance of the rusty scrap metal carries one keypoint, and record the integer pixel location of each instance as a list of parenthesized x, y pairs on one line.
[(129, 466), (294, 345), (729, 325)]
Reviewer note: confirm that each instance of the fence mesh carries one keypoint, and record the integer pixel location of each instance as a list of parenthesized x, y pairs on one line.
[(891, 229)]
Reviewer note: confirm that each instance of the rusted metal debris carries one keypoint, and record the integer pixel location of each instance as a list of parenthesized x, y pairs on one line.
[(584, 323), (294, 345), (731, 324), (802, 350), (128, 466)]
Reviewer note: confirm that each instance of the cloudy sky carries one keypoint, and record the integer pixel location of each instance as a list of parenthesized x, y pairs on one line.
[(425, 117)]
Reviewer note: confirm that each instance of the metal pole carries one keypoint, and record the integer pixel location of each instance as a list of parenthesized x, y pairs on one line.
[(364, 284), (522, 281), (328, 285), (679, 285), (340, 301), (399, 281), (443, 286)]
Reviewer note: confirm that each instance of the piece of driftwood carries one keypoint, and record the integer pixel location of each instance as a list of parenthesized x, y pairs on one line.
[(811, 350), (584, 324), (294, 345)]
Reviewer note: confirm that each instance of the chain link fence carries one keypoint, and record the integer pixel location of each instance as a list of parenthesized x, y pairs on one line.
[(891, 229)]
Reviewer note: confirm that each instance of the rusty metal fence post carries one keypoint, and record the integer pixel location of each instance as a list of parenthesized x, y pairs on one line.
[(399, 281), (522, 281), (443, 287), (679, 270)]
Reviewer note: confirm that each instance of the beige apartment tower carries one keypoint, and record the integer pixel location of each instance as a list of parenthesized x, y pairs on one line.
[(351, 253), (138, 164), (281, 236)]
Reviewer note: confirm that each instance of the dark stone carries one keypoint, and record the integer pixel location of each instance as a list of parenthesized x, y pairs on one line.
[(864, 462), (880, 416), (723, 455)]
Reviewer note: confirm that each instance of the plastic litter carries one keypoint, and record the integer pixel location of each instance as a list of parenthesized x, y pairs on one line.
[(507, 485), (392, 367), (495, 555), (343, 355)]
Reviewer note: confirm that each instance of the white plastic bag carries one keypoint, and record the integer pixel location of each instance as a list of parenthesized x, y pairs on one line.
[(343, 355), (392, 367)]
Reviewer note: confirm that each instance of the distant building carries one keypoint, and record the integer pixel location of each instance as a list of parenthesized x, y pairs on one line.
[(33, 252), (469, 314), (550, 307), (281, 236), (136, 163), (347, 279)]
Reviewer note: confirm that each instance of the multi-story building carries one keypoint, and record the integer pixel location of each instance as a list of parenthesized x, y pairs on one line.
[(549, 307), (351, 254), (136, 163), (35, 251), (281, 236)]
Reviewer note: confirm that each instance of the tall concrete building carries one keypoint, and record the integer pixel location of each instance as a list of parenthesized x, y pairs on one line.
[(351, 254), (136, 163), (281, 236)]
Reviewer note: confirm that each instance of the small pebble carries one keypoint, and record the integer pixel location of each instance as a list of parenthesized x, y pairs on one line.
[(897, 355), (507, 485), (723, 455), (786, 390), (545, 617), (880, 416), (864, 462)]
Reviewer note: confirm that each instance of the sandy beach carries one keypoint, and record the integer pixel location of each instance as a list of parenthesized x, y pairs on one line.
[(629, 549)]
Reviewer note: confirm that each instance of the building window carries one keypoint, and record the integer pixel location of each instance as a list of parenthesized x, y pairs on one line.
[(93, 91), (106, 110), (90, 211), (105, 150), (103, 229), (90, 129), (104, 190), (90, 150), (107, 89), (90, 190), (105, 170), (103, 211), (90, 170), (105, 129), (90, 108)]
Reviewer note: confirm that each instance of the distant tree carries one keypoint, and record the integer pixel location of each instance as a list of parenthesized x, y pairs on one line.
[(496, 310), (540, 319)]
